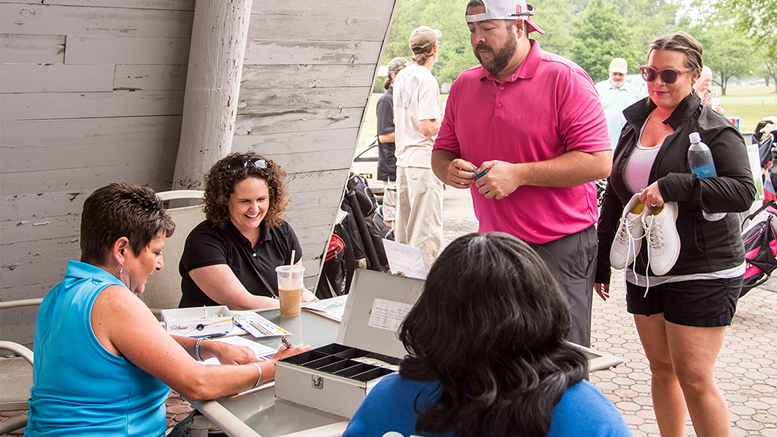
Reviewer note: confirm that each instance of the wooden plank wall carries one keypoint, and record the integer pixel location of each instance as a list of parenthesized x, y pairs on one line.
[(307, 77), (91, 92)]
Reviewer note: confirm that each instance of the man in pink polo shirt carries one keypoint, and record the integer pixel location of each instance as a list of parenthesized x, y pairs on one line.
[(530, 125)]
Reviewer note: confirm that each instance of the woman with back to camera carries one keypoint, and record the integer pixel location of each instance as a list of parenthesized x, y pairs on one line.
[(230, 258), (681, 312), (487, 354), (103, 363)]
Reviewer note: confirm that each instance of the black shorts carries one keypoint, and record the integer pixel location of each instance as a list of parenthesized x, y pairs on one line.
[(703, 303)]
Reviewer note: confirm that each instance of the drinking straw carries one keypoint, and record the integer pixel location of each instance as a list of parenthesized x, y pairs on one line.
[(291, 266)]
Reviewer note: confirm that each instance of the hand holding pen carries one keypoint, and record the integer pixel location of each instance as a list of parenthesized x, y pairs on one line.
[(286, 342)]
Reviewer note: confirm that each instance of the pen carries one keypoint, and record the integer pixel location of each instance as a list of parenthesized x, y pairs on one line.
[(478, 175), (285, 342)]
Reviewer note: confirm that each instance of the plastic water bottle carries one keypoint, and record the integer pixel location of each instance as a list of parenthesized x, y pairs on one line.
[(700, 160)]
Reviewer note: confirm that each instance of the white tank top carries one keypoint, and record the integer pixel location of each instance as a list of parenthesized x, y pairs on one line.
[(637, 172)]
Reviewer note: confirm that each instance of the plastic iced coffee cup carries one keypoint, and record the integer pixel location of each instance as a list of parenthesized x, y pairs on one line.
[(290, 289)]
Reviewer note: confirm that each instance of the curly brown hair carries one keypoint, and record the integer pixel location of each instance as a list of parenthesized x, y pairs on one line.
[(220, 182)]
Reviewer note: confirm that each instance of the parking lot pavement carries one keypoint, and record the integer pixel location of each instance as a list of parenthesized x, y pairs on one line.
[(746, 369)]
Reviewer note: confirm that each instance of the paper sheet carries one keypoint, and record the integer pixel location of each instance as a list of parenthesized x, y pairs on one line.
[(330, 308), (257, 325), (387, 314), (262, 352), (405, 260)]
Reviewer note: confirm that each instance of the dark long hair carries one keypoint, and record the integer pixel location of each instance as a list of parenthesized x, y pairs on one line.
[(220, 183), (121, 210), (491, 326)]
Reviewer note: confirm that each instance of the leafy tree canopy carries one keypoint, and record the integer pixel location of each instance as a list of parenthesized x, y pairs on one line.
[(726, 52), (600, 36)]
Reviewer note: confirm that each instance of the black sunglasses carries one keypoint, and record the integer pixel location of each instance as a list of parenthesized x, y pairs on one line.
[(668, 75), (240, 163)]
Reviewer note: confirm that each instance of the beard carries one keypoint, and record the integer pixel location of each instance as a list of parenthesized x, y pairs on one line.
[(501, 57), (617, 83)]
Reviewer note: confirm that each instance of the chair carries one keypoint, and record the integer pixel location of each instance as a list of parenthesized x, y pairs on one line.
[(16, 380), (163, 288)]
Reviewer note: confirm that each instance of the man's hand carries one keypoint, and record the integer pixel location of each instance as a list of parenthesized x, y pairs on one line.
[(452, 170), (501, 180)]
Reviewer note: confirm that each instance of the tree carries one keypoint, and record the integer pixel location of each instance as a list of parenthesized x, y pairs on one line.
[(555, 17), (769, 69), (447, 16), (726, 52), (600, 36), (647, 19), (756, 19)]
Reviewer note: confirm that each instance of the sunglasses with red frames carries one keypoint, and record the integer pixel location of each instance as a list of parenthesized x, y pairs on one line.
[(668, 75), (239, 163)]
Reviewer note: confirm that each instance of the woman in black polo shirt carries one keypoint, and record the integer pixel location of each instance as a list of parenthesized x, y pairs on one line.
[(230, 258)]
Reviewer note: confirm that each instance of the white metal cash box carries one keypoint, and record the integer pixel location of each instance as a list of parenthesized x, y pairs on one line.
[(337, 377)]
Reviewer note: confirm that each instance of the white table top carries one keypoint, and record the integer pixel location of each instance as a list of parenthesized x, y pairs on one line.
[(259, 413)]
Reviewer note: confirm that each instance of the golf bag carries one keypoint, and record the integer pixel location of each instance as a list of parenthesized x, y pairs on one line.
[(356, 241), (759, 236)]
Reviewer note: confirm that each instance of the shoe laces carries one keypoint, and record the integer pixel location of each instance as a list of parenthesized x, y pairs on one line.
[(655, 239), (653, 233), (625, 236)]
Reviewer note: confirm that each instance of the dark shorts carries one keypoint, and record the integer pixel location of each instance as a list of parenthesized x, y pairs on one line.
[(704, 303)]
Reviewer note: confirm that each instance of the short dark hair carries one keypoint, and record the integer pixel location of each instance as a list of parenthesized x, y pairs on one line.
[(681, 42), (121, 210), (220, 182), (491, 327)]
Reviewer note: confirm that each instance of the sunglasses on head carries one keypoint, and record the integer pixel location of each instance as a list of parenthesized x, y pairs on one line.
[(240, 163), (668, 75)]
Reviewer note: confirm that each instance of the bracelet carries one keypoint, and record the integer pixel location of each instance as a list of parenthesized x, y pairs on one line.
[(259, 380), (197, 348)]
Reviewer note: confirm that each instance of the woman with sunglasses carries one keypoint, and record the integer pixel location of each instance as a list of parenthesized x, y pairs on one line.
[(230, 258), (103, 363), (681, 316)]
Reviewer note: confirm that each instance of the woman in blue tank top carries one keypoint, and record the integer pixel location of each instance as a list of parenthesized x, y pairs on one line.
[(103, 363)]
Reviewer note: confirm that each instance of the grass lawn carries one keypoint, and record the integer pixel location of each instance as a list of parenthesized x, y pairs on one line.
[(749, 103)]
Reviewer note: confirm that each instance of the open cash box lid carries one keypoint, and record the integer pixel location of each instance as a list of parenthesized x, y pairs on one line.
[(376, 307)]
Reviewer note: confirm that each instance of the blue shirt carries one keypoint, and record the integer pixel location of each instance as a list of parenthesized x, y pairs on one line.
[(614, 101), (390, 407), (79, 388)]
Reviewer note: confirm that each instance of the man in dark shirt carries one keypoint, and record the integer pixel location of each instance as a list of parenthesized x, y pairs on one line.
[(387, 162)]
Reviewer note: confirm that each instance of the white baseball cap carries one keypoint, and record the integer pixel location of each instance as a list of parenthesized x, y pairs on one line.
[(506, 10)]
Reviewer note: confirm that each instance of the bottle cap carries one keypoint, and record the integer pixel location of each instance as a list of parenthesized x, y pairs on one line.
[(695, 137)]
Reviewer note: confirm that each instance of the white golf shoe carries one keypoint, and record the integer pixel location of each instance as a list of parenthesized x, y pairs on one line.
[(662, 237), (628, 238)]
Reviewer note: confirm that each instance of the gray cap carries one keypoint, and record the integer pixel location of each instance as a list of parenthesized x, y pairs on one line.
[(397, 64), (423, 39)]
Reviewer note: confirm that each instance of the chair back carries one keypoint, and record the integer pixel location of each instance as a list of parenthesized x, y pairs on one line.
[(16, 382), (163, 288)]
